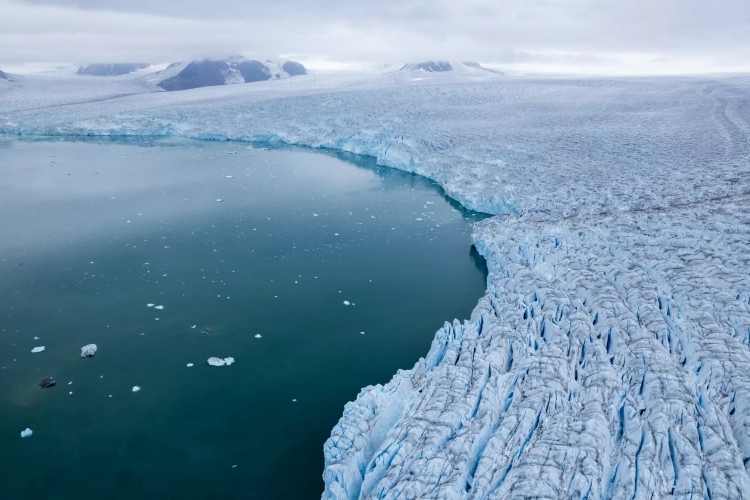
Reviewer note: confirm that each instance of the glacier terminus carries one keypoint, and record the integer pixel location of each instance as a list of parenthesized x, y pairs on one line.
[(610, 355)]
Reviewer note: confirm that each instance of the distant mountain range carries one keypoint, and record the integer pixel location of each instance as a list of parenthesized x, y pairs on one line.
[(208, 73), (445, 66), (3, 76), (111, 69)]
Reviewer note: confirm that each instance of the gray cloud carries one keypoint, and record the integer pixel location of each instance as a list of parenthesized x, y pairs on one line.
[(701, 34)]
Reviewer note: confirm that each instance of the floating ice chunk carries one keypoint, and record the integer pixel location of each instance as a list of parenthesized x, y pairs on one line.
[(419, 218), (193, 326), (315, 215), (159, 307), (219, 199), (26, 432), (38, 349), (136, 388), (231, 152), (150, 305), (229, 177), (88, 350), (346, 302), (189, 365), (36, 338), (257, 335), (220, 362)]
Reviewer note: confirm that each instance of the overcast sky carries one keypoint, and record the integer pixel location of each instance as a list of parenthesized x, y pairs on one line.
[(618, 36)]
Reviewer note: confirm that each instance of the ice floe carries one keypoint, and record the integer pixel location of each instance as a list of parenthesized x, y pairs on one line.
[(220, 362), (88, 350)]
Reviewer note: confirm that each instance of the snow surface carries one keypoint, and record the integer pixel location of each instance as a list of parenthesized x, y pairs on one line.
[(609, 357)]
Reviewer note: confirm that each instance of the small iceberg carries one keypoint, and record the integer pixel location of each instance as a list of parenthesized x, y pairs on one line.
[(257, 335), (219, 200), (136, 388), (346, 302), (159, 307), (220, 362), (38, 349), (229, 177), (26, 433), (88, 350), (150, 305)]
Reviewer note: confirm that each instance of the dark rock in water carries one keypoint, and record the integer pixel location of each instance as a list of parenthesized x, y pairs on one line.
[(294, 68), (433, 66), (110, 69), (47, 382), (254, 71), (207, 331)]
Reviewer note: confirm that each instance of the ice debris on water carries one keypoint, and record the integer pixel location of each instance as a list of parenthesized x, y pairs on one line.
[(88, 350), (346, 303), (150, 305), (26, 432), (257, 335), (38, 349), (136, 388), (219, 199), (220, 362), (159, 307), (189, 365)]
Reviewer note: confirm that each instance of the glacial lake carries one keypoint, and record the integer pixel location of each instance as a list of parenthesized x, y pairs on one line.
[(318, 273)]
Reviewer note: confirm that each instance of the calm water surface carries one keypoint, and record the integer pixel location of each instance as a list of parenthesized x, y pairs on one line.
[(92, 232)]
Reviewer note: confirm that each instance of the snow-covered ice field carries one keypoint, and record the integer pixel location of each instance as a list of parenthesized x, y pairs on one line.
[(610, 356)]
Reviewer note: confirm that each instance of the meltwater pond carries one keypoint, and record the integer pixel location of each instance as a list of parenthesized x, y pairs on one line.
[(318, 274)]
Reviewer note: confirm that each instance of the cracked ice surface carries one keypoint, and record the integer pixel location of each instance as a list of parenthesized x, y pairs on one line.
[(609, 357)]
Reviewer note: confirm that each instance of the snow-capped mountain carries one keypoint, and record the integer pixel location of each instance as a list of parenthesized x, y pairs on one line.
[(441, 70), (3, 76), (208, 73), (111, 69)]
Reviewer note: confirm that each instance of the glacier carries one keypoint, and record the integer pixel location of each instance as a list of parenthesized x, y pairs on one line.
[(610, 354)]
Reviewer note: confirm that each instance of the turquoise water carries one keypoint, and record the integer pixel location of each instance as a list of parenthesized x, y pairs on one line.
[(93, 231)]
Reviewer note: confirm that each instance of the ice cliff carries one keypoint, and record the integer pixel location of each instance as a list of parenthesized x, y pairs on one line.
[(609, 357)]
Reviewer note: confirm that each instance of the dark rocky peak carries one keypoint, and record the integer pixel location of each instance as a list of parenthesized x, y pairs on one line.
[(433, 66), (294, 68)]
